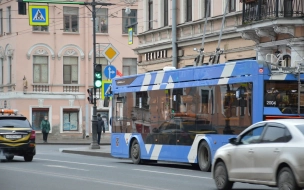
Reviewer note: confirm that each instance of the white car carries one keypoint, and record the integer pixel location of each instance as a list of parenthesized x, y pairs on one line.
[(268, 153)]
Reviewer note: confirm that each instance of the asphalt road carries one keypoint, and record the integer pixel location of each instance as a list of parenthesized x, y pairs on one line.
[(53, 170)]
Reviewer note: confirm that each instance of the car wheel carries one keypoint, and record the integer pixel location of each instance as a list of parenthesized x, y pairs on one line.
[(9, 157), (221, 177), (28, 158), (286, 180), (204, 157), (135, 152)]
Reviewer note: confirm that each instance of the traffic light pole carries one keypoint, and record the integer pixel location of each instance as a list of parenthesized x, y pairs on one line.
[(94, 144)]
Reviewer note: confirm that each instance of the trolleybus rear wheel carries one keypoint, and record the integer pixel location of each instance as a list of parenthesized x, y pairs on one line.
[(135, 152), (204, 157)]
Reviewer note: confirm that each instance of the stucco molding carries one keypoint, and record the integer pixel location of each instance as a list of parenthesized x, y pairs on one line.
[(70, 48), (99, 49), (284, 30), (2, 53), (8, 52), (251, 36), (265, 33), (41, 50)]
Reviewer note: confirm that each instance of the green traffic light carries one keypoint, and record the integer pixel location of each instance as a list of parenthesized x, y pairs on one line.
[(98, 75), (97, 83)]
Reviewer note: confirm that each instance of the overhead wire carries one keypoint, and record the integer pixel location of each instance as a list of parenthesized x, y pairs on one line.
[(56, 23)]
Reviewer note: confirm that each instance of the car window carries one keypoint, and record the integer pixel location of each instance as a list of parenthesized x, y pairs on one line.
[(301, 128), (163, 126), (252, 136), (274, 134), (287, 135), (17, 122)]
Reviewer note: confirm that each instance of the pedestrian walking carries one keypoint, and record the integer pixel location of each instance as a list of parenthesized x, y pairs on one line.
[(45, 128), (100, 127)]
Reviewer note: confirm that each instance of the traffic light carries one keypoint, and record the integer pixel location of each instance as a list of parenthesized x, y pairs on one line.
[(90, 97), (21, 7), (97, 75)]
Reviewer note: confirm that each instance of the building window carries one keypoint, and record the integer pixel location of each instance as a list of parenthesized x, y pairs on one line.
[(1, 71), (207, 8), (102, 20), (287, 60), (40, 66), (37, 116), (9, 64), (9, 20), (1, 22), (70, 70), (232, 6), (70, 119), (104, 62), (70, 17), (41, 28), (166, 13), (129, 19), (150, 14), (129, 66), (189, 11)]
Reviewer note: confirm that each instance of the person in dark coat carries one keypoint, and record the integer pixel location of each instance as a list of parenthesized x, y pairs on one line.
[(45, 128), (100, 127)]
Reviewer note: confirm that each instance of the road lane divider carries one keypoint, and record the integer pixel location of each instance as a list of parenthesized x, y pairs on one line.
[(79, 163), (166, 173)]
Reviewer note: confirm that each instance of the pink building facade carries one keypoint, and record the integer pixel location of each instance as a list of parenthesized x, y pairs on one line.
[(47, 70)]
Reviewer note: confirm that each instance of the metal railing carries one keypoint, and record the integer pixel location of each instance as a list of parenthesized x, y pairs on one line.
[(270, 9)]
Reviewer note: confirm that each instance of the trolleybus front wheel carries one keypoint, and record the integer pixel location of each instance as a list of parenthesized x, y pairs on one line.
[(204, 157), (135, 152)]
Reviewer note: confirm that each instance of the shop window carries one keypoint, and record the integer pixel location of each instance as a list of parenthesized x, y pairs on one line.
[(70, 119), (37, 116)]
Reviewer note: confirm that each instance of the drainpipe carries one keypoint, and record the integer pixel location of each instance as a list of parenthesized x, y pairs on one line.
[(174, 44)]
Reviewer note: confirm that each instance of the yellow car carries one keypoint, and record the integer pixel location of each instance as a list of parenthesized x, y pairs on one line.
[(16, 136)]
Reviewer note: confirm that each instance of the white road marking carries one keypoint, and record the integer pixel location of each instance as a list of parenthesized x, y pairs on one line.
[(173, 174), (80, 163), (74, 177), (57, 166)]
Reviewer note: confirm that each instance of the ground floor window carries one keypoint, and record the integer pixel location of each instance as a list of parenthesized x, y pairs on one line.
[(37, 116), (70, 119)]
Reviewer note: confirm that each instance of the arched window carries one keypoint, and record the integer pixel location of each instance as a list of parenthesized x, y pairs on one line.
[(287, 60)]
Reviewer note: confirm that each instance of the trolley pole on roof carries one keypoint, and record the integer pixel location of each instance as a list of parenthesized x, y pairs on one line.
[(174, 44), (202, 56), (216, 57)]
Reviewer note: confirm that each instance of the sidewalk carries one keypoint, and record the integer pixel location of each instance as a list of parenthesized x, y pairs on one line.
[(84, 145)]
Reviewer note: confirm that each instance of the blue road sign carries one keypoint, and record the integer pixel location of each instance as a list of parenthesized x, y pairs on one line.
[(110, 71), (39, 15), (106, 89)]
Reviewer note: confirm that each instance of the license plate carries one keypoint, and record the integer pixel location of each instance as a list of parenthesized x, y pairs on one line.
[(13, 136)]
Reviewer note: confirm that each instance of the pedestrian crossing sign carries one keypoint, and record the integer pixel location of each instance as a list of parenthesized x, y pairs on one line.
[(39, 15)]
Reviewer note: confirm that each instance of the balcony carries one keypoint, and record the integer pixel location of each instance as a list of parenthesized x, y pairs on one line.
[(57, 87), (260, 10)]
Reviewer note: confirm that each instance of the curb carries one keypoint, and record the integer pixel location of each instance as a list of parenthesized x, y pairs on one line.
[(99, 154)]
